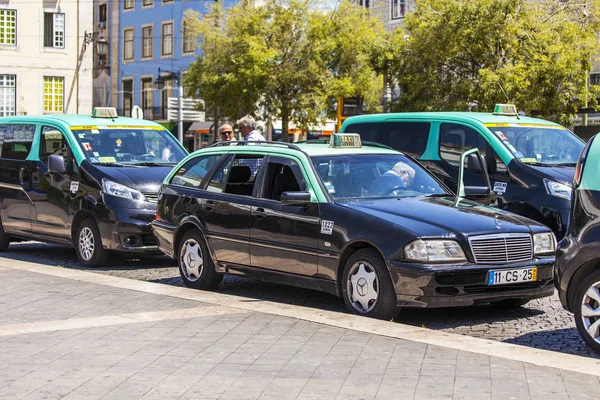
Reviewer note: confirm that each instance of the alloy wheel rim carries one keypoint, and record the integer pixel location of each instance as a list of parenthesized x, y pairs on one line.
[(590, 311), (191, 260), (86, 244), (362, 287)]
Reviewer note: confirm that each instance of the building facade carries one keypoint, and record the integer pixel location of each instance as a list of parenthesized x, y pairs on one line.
[(390, 12), (45, 65)]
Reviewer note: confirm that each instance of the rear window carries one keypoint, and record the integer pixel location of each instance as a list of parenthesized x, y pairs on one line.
[(408, 137), (15, 141)]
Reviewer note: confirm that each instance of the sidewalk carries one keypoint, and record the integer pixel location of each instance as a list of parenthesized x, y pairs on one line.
[(78, 335)]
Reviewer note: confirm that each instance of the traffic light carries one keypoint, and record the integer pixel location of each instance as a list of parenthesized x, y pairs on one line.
[(347, 107)]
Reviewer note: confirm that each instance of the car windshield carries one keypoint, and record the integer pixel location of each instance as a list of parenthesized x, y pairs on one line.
[(129, 146), (367, 176), (541, 144)]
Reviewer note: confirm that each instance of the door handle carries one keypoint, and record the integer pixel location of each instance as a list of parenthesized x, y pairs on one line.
[(259, 213), (21, 175), (207, 205)]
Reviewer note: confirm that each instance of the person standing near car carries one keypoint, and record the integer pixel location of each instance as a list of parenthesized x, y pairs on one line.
[(246, 127), (227, 133)]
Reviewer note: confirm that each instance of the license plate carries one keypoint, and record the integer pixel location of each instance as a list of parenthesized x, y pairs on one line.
[(505, 276)]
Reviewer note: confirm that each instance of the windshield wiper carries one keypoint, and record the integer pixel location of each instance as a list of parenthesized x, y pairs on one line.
[(438, 195), (565, 164), (153, 164), (109, 164)]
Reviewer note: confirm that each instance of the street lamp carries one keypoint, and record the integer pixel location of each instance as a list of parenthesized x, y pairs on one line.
[(160, 85)]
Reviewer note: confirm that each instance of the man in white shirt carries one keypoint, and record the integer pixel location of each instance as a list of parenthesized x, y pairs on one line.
[(166, 153), (246, 127)]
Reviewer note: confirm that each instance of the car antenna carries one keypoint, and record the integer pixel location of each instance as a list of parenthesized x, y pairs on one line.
[(507, 98)]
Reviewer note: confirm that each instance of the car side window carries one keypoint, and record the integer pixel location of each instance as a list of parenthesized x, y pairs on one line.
[(455, 139), (16, 141), (236, 176), (192, 173), (282, 176), (370, 132), (52, 143)]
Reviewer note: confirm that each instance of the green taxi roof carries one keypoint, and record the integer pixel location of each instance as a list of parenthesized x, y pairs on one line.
[(79, 120), (484, 118)]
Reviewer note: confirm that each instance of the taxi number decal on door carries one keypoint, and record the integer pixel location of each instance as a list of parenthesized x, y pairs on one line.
[(326, 227)]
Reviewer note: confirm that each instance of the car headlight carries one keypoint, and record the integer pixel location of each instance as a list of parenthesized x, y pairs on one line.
[(544, 243), (434, 251), (118, 190), (558, 189)]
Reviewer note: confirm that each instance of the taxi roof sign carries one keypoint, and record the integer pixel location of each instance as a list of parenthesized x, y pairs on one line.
[(506, 109), (104, 112), (338, 140)]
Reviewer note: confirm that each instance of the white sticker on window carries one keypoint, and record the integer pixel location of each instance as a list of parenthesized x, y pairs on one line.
[(74, 186), (326, 227), (500, 187)]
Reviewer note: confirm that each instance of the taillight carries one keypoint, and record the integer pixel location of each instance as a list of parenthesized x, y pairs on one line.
[(158, 218), (577, 176)]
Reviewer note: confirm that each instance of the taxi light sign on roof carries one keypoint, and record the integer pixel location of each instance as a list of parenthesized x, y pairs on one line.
[(104, 112), (505, 109), (345, 140)]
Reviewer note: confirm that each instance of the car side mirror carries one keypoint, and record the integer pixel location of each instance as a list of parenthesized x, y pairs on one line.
[(295, 198), (477, 191), (56, 164)]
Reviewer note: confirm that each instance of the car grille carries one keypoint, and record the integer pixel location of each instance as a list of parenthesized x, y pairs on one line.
[(501, 249), (151, 197)]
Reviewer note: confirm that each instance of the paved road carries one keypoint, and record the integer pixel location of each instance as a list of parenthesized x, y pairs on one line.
[(541, 323)]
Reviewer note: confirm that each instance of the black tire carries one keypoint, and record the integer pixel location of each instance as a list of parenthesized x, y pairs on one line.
[(4, 239), (88, 244), (510, 303), (195, 264), (384, 306), (582, 322)]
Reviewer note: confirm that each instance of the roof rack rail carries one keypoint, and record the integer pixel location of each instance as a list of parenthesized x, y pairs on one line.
[(260, 142)]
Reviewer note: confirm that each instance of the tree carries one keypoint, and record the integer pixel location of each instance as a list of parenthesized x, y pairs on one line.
[(285, 58), (453, 52)]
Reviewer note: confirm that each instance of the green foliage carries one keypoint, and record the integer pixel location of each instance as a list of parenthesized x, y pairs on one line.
[(535, 54), (285, 59)]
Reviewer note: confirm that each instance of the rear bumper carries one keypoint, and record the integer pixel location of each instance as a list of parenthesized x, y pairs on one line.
[(165, 237), (463, 285)]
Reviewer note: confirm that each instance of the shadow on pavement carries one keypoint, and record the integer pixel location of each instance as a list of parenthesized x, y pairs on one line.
[(553, 340)]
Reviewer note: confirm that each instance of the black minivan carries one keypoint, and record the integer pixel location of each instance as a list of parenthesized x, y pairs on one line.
[(89, 182)]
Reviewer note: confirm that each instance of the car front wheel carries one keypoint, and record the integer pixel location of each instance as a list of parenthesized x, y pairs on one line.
[(88, 244), (587, 310), (366, 286), (195, 265)]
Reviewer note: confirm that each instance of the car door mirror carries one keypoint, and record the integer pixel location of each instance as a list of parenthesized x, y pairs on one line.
[(56, 164), (295, 198), (477, 191)]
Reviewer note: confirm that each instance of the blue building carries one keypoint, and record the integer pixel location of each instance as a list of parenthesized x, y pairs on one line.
[(151, 35)]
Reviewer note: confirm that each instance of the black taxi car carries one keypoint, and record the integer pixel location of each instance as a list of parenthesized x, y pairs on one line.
[(577, 268), (366, 223)]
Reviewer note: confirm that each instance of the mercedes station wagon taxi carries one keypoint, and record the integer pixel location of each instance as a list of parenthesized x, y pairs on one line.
[(577, 268), (366, 223), (85, 181)]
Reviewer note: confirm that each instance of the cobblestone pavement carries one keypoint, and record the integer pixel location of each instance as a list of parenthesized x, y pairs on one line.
[(541, 323)]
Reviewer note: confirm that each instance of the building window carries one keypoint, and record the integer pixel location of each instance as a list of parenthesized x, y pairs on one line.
[(167, 39), (595, 78), (127, 97), (147, 90), (53, 94), (148, 3), (188, 40), (102, 13), (364, 3), (8, 27), (164, 98), (8, 98), (147, 42), (54, 30), (128, 44), (398, 8), (128, 4)]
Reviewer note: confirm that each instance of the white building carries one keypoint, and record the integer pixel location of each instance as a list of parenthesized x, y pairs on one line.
[(45, 66)]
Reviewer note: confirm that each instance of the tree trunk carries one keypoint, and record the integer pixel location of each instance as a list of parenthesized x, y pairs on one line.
[(284, 124)]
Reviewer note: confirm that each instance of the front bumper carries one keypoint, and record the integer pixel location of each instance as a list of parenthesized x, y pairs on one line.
[(418, 285), (128, 230)]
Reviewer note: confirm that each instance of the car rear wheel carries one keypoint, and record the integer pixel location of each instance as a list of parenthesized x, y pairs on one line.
[(4, 239), (88, 244), (195, 264), (587, 310), (366, 286)]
